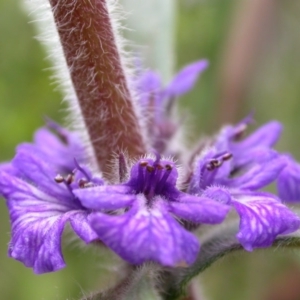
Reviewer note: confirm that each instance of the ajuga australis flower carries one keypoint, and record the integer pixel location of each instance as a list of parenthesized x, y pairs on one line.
[(129, 196), (253, 165), (149, 228), (38, 206), (144, 217)]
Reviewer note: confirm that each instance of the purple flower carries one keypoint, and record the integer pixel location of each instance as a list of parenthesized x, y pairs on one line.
[(58, 146), (39, 207), (157, 101), (151, 211), (245, 151), (288, 182), (239, 174), (231, 139)]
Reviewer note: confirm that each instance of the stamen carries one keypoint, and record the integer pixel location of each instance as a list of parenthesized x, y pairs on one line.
[(141, 175), (67, 181), (161, 183), (168, 167), (85, 184), (217, 162), (152, 177), (148, 183), (159, 167), (158, 157), (213, 164), (89, 184), (227, 156), (240, 132), (70, 178), (59, 179), (80, 169), (82, 183), (150, 169), (210, 167), (143, 163), (122, 168)]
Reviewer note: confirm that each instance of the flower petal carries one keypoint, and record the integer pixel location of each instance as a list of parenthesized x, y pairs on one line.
[(199, 209), (34, 169), (229, 139), (37, 221), (262, 218), (185, 79), (143, 234), (266, 135), (266, 168), (288, 182), (105, 197), (217, 193), (80, 224), (59, 149)]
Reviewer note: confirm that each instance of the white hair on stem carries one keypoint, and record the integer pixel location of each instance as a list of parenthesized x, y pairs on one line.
[(41, 14)]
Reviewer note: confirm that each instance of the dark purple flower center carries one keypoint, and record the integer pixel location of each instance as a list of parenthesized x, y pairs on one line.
[(153, 178)]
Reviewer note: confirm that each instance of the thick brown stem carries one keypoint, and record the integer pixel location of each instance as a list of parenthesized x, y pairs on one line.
[(89, 45)]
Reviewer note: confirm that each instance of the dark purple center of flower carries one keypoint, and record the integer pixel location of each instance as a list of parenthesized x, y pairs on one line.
[(152, 178)]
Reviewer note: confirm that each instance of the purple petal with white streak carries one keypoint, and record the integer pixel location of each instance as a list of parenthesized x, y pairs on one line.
[(262, 218), (147, 234), (288, 182), (37, 221), (198, 209), (35, 169), (105, 197), (266, 168)]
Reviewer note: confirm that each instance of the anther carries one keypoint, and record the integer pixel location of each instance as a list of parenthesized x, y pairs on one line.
[(210, 167), (213, 164), (168, 167), (58, 178), (88, 184), (82, 182), (70, 178), (227, 156), (143, 163), (150, 169), (159, 167), (214, 161), (217, 163), (240, 132)]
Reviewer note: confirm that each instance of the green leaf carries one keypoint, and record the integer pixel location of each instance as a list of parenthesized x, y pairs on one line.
[(221, 242)]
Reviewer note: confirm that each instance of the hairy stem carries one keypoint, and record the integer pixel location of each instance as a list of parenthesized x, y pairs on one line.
[(90, 49)]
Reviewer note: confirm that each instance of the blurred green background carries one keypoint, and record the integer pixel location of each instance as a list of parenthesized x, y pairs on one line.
[(254, 50)]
